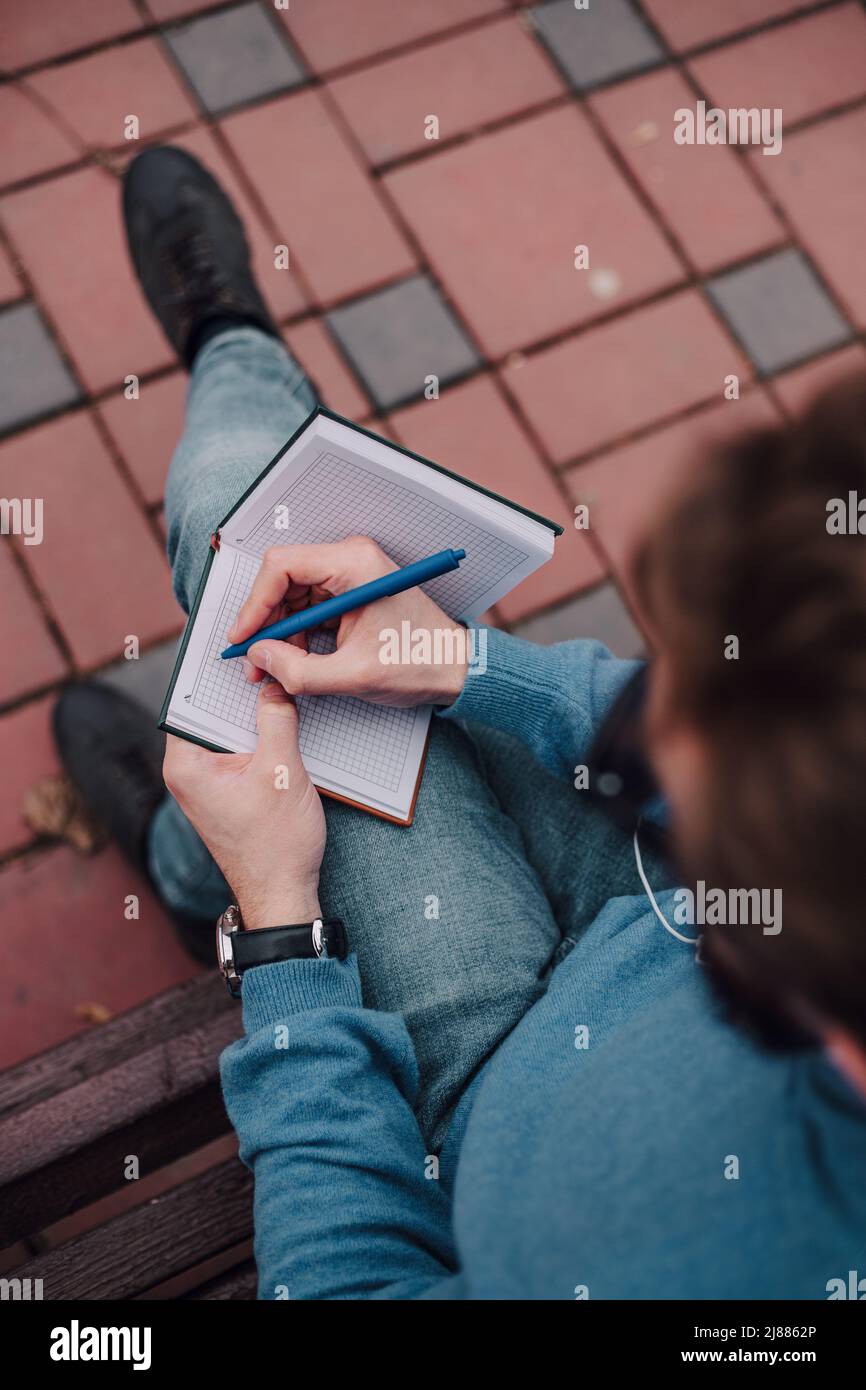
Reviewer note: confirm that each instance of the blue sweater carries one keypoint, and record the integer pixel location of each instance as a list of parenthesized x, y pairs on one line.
[(668, 1159)]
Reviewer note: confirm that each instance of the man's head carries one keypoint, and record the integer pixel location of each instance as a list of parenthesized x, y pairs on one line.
[(756, 716)]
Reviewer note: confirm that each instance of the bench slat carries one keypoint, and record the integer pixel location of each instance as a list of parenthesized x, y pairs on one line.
[(142, 1248), (192, 1004), (160, 1103)]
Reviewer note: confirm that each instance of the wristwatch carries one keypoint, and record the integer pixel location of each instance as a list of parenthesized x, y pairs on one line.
[(239, 949)]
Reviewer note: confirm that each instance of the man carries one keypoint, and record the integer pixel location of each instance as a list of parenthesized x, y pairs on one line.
[(534, 1094)]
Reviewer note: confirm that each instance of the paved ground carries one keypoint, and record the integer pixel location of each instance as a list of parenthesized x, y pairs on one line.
[(559, 385)]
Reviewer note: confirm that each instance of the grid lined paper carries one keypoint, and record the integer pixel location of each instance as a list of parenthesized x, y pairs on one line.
[(364, 740), (405, 524)]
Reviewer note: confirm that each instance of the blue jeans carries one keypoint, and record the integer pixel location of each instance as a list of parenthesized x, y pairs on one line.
[(458, 920)]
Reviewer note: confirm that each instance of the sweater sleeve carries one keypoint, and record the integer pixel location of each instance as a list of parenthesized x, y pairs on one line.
[(320, 1091), (551, 698)]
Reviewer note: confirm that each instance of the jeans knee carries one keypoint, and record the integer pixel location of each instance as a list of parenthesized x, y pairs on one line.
[(195, 505)]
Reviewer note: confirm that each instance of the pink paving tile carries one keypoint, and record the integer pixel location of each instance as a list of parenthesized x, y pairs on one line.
[(818, 179), (464, 81), (623, 489), (324, 203), (802, 67), (10, 286), (73, 910), (471, 430), (37, 661), (314, 348), (33, 143), (797, 388), (499, 219), (27, 754), (83, 277), (32, 33), (99, 566), (330, 33), (703, 192), (95, 95), (281, 288), (686, 25), (146, 431), (624, 375)]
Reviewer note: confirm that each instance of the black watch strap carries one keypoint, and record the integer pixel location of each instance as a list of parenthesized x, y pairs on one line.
[(306, 941)]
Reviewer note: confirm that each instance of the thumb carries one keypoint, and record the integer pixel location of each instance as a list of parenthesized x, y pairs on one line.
[(277, 724), (301, 672)]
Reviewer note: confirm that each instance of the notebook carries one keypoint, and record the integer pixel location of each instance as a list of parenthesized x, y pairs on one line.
[(332, 480)]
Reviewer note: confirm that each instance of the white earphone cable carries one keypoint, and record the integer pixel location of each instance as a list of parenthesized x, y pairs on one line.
[(687, 940)]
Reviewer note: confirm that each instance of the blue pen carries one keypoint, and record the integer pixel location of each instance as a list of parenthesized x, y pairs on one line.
[(394, 583)]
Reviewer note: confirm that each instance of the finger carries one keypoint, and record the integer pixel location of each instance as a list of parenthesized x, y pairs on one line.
[(255, 674), (271, 590), (326, 569), (277, 724), (252, 673), (307, 673), (291, 599)]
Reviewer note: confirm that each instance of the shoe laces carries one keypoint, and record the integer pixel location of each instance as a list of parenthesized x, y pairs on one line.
[(194, 270)]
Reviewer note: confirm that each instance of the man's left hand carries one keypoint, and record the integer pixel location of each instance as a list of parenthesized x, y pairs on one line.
[(258, 813)]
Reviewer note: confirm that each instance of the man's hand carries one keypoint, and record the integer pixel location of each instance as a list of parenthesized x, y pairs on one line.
[(294, 576), (258, 813)]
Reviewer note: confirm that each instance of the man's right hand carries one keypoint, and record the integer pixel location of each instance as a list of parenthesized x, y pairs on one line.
[(294, 576)]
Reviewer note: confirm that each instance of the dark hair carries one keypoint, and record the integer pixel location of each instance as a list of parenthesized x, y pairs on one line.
[(745, 551)]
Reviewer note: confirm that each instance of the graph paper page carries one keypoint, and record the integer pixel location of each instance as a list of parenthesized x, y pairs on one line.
[(337, 482)]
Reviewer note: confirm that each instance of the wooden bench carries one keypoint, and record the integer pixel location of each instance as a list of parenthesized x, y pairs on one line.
[(145, 1084)]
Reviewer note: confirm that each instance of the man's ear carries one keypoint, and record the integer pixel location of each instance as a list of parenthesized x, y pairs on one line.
[(850, 1057)]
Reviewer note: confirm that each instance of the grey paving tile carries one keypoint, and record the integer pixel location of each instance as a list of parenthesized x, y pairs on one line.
[(145, 680), (234, 56), (600, 613), (33, 377), (779, 311), (397, 337), (607, 41)]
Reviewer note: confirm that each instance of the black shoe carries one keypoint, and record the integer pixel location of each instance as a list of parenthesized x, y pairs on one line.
[(112, 753), (189, 249)]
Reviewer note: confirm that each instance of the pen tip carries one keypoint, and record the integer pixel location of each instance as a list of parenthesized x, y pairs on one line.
[(460, 555)]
